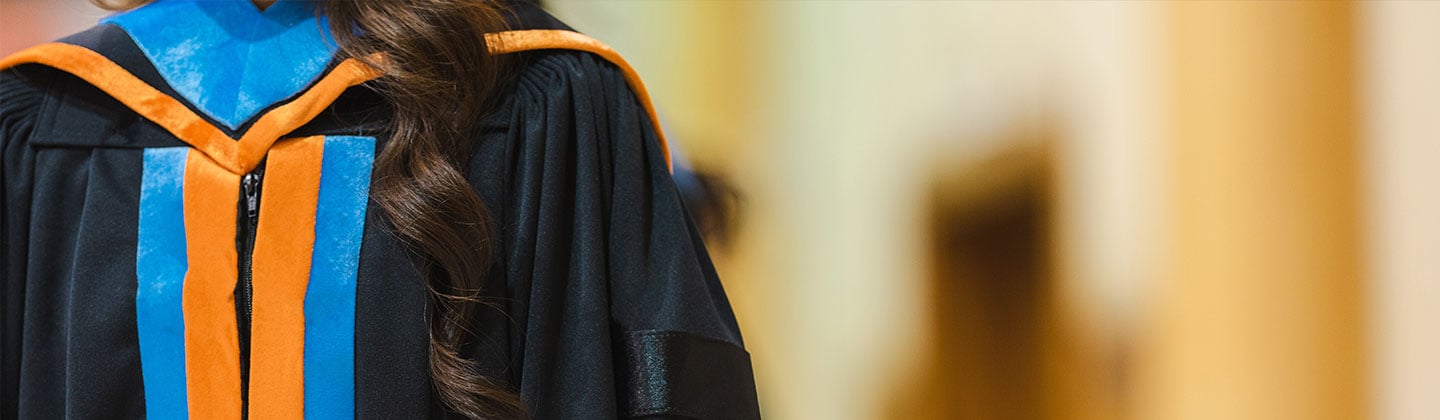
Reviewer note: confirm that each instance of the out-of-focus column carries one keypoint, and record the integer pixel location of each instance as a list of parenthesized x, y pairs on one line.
[(1259, 316)]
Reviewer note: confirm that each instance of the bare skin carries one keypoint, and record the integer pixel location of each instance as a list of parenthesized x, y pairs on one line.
[(262, 4)]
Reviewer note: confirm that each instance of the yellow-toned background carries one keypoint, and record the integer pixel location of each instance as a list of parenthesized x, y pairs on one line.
[(1054, 210)]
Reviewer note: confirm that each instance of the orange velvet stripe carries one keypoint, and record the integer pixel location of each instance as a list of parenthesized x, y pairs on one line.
[(551, 39), (235, 156), (283, 246), (212, 343)]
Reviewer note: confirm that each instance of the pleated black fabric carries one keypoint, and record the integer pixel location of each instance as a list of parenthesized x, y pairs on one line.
[(597, 243), (606, 304)]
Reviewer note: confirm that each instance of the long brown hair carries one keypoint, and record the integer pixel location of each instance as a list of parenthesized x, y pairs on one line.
[(439, 78)]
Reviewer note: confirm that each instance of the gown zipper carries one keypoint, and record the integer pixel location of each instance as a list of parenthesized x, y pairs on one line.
[(245, 289)]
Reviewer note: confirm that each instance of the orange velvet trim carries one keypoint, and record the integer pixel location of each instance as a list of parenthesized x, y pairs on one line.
[(243, 155), (552, 39), (237, 157), (212, 343), (284, 242), (145, 100), (290, 116)]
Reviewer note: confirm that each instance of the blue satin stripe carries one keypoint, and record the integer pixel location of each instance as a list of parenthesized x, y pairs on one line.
[(160, 265), (227, 58), (330, 296)]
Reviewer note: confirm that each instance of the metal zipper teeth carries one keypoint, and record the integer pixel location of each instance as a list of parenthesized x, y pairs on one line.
[(250, 191)]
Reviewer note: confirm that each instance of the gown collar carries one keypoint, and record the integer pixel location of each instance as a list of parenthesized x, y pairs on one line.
[(229, 59)]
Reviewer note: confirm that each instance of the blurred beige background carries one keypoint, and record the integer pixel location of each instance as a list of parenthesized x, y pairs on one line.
[(1054, 210)]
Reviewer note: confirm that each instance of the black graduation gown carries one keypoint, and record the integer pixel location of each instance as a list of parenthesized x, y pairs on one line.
[(606, 303)]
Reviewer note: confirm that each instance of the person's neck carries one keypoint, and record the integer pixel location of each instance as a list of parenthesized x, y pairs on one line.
[(262, 4)]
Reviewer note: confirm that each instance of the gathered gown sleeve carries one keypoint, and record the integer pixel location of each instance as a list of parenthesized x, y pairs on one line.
[(613, 302)]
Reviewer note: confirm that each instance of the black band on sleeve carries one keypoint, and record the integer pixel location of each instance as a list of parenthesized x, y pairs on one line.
[(680, 374)]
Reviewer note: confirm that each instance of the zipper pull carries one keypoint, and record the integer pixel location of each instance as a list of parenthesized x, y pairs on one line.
[(250, 186)]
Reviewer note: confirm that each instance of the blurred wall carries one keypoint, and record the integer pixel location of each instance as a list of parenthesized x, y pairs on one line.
[(850, 113), (857, 97), (1401, 62)]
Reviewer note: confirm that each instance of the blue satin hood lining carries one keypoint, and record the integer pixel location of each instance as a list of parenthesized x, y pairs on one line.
[(229, 59)]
